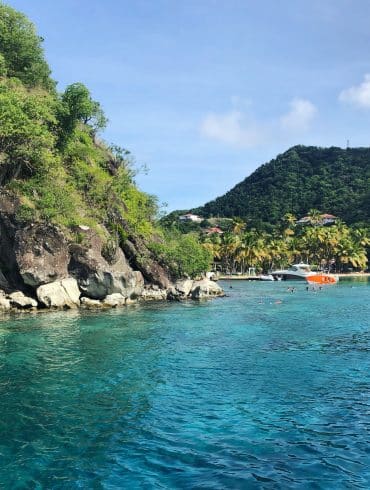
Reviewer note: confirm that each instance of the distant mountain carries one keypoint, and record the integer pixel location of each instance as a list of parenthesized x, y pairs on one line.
[(331, 180)]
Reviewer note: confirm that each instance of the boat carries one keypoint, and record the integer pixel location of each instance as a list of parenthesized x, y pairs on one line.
[(295, 271), (323, 279), (266, 277)]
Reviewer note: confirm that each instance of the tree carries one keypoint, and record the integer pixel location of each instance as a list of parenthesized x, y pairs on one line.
[(27, 122), (21, 50), (79, 107)]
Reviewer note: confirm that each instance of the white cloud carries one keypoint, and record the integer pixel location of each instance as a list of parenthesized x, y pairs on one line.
[(235, 129), (358, 95), (300, 116), (231, 128)]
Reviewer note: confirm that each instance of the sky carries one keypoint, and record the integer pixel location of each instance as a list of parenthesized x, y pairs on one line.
[(202, 92)]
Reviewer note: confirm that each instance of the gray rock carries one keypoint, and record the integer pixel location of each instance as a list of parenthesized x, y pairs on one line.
[(113, 300), (205, 289), (183, 287), (4, 304), (151, 294), (98, 278), (60, 294), (42, 254), (3, 281), (91, 303), (130, 301), (19, 300)]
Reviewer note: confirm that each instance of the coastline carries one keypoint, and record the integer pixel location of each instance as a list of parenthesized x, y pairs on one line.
[(245, 277)]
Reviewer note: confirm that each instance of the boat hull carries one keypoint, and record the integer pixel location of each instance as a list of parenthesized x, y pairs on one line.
[(290, 277), (323, 279)]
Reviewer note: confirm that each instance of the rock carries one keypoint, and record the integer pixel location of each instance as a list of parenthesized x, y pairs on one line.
[(143, 260), (3, 282), (205, 288), (90, 303), (9, 205), (152, 294), (114, 300), (183, 287), (4, 304), (42, 254), (60, 294), (19, 300), (98, 278), (130, 301)]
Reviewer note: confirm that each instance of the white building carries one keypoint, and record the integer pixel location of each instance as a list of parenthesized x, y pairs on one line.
[(191, 217)]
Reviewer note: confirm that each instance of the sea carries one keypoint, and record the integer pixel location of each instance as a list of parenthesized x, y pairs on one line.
[(266, 388)]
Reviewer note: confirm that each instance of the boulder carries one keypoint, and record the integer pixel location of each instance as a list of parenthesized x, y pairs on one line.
[(19, 300), (205, 288), (60, 294), (42, 254), (183, 287), (91, 303), (4, 302), (114, 300), (144, 261), (9, 205), (154, 294), (98, 278)]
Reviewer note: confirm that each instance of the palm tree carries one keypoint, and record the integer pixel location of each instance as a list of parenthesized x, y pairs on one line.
[(315, 217)]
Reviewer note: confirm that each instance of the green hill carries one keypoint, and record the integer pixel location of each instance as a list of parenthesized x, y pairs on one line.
[(331, 180)]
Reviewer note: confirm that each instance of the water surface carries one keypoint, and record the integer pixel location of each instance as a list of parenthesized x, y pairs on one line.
[(262, 389)]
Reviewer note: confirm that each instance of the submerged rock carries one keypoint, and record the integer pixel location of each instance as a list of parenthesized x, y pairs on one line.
[(60, 294)]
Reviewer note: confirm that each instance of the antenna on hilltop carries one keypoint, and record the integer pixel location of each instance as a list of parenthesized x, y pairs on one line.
[(347, 144)]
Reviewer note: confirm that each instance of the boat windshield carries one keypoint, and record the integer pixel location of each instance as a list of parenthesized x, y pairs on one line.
[(300, 267)]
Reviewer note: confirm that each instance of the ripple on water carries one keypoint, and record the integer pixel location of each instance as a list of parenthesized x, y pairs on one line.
[(241, 392)]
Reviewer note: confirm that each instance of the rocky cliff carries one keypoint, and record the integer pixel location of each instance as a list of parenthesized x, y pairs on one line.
[(40, 267), (74, 227)]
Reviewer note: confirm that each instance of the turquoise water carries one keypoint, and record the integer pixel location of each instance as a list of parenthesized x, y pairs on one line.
[(243, 392)]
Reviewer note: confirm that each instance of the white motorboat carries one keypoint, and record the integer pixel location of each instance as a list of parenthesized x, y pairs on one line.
[(296, 271), (266, 277)]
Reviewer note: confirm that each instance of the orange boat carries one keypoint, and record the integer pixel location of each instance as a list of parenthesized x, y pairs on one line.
[(322, 279)]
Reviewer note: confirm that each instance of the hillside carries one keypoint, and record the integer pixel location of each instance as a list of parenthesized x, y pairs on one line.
[(70, 209), (331, 180)]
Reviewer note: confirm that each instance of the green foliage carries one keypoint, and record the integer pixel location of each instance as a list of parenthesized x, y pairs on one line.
[(182, 254), (51, 197), (331, 179), (77, 107), (318, 245), (21, 53), (27, 125)]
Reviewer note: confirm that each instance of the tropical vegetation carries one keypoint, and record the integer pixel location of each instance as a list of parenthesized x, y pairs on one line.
[(304, 177), (54, 161), (336, 248)]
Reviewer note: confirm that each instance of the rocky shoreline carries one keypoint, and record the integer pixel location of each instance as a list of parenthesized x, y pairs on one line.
[(65, 294), (41, 268)]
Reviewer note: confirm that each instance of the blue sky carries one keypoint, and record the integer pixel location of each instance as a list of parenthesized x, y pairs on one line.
[(203, 92)]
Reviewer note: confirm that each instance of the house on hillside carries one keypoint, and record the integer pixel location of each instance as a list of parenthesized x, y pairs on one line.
[(191, 217), (325, 219), (213, 230)]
